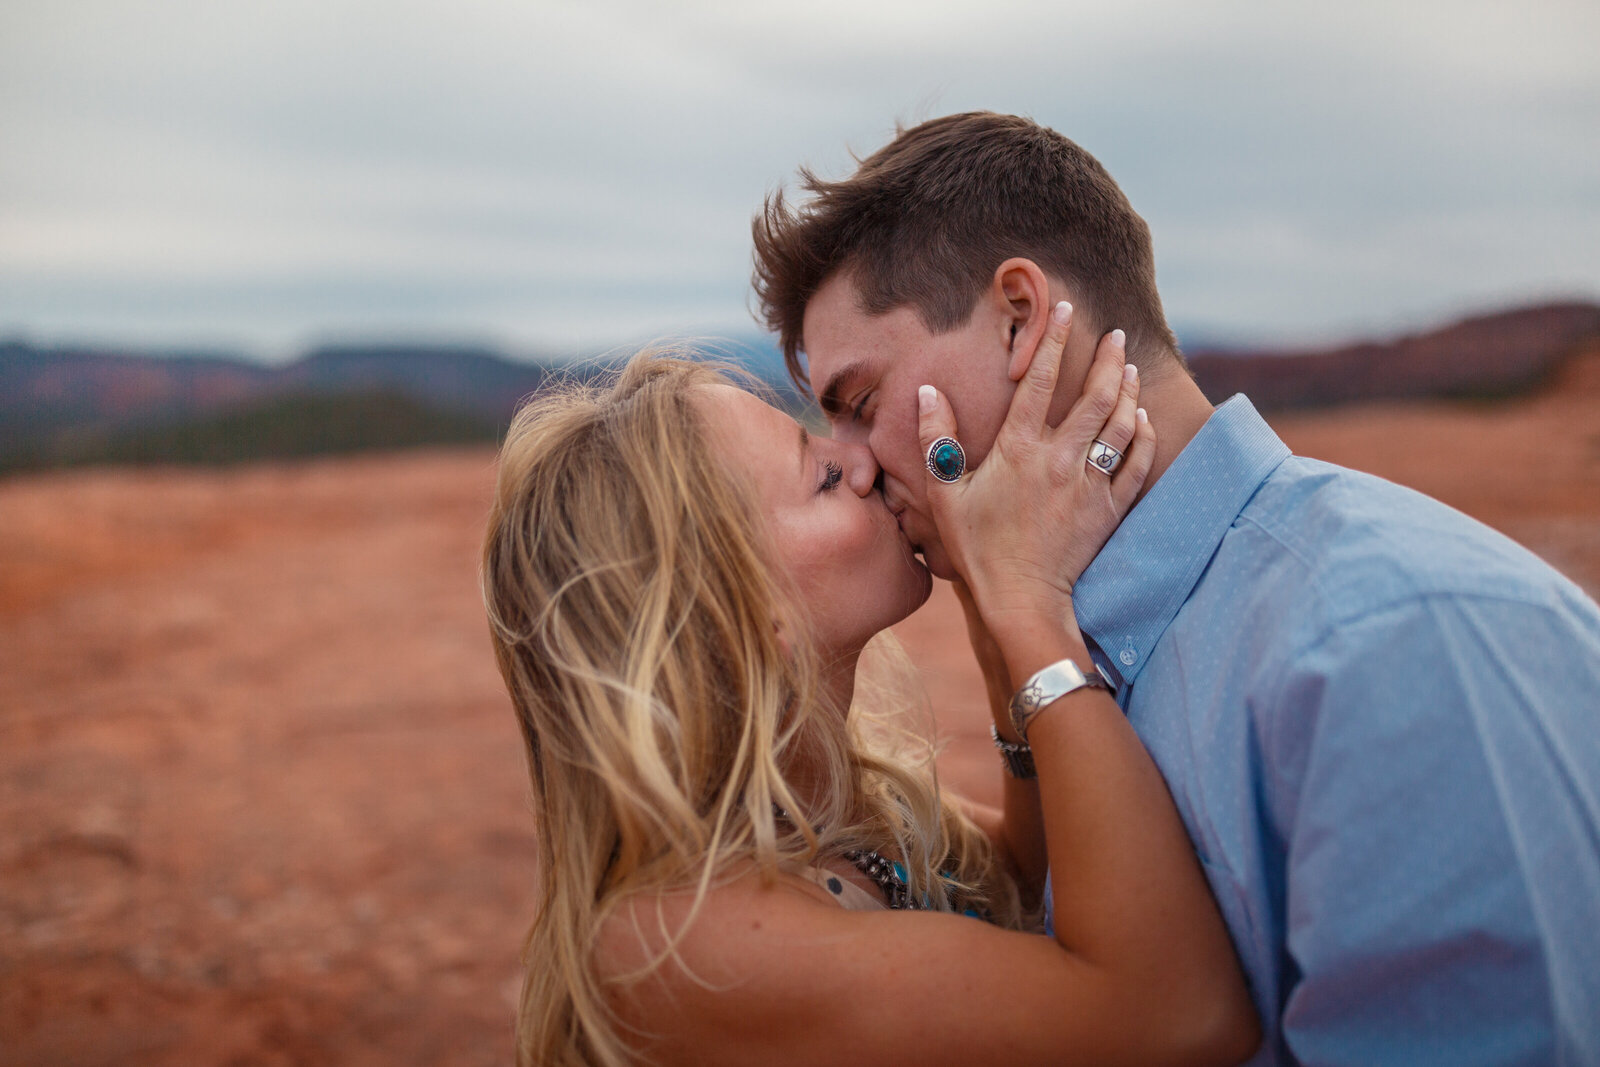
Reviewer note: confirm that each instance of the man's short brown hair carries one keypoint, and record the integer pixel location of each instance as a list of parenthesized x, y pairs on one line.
[(925, 220)]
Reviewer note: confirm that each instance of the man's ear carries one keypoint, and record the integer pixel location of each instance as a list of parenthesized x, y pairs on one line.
[(1022, 293)]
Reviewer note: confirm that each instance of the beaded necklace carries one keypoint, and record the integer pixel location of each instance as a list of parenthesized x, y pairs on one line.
[(888, 875)]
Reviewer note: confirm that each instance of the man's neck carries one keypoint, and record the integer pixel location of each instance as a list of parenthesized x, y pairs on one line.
[(1177, 410)]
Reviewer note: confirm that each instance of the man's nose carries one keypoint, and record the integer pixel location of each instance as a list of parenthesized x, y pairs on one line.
[(861, 469), (849, 431)]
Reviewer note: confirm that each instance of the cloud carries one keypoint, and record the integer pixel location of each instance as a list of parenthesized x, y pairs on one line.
[(575, 174)]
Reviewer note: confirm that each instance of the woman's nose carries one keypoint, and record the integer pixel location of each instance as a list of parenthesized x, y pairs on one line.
[(860, 469)]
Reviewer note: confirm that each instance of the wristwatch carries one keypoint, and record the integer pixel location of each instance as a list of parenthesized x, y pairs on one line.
[(1048, 686)]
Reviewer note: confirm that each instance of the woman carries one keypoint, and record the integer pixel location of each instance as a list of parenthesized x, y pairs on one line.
[(735, 864)]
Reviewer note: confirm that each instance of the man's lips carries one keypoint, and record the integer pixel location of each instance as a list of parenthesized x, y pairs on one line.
[(900, 521)]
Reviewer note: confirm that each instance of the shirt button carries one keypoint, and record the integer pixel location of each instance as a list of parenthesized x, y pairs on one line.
[(1128, 656)]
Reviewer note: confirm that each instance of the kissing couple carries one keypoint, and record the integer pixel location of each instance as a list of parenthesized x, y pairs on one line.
[(1300, 766)]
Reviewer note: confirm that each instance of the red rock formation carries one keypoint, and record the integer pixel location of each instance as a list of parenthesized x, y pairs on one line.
[(1485, 356)]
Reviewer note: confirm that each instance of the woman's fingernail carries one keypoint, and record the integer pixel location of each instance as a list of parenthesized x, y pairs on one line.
[(1119, 338), (927, 398), (1142, 415), (1129, 372), (1062, 312)]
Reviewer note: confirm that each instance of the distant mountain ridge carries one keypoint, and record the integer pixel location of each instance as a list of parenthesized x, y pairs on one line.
[(1483, 356), (52, 386), (67, 405), (72, 405)]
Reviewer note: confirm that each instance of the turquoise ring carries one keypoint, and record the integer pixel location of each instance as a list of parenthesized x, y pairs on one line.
[(946, 461)]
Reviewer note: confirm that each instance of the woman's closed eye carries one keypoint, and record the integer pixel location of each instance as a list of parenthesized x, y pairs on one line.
[(832, 475)]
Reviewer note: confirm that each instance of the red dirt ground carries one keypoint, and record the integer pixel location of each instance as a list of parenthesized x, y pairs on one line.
[(262, 794)]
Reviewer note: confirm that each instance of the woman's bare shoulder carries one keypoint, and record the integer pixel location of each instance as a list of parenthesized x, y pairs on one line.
[(688, 974), (777, 972), (684, 921)]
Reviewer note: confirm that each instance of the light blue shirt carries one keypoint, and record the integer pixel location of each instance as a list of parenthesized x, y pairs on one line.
[(1381, 723)]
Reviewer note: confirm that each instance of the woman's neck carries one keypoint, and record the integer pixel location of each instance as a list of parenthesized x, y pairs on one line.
[(839, 680), (835, 689)]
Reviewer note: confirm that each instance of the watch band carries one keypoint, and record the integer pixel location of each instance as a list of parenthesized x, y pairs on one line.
[(1048, 686), (1018, 759)]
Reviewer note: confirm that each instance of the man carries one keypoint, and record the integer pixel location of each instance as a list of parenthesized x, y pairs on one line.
[(1380, 720)]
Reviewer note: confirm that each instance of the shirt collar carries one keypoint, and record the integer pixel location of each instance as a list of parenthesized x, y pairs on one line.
[(1132, 590)]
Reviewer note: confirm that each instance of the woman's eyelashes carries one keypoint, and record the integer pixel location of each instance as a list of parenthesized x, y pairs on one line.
[(832, 475)]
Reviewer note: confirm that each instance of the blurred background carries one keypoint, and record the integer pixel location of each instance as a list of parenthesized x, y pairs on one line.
[(273, 276)]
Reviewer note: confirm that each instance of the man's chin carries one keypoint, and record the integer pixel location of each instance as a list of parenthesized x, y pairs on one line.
[(938, 563)]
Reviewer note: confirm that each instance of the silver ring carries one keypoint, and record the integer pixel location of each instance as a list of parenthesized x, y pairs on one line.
[(1104, 458), (946, 461)]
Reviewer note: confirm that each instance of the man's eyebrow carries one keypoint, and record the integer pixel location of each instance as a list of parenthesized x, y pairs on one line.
[(830, 399)]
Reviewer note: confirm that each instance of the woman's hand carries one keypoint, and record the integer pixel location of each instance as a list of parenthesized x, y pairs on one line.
[(1022, 527)]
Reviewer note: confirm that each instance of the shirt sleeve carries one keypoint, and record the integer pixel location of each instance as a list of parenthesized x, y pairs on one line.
[(1439, 785)]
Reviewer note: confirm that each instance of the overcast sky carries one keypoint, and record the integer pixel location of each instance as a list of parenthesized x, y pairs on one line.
[(569, 176)]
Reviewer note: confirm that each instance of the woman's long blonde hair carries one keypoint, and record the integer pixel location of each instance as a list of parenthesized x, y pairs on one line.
[(634, 606)]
